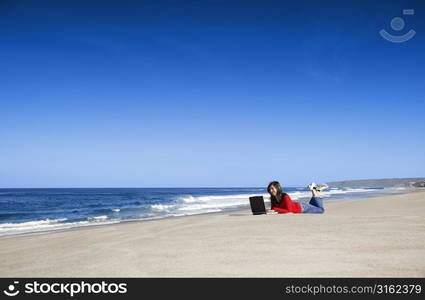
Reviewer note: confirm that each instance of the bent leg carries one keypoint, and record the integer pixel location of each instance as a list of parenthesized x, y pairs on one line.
[(317, 201), (315, 206)]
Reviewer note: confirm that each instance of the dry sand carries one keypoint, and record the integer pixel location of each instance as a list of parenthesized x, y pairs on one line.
[(374, 237)]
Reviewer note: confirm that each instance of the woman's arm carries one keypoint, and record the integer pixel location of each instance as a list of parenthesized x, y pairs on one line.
[(276, 209), (281, 210)]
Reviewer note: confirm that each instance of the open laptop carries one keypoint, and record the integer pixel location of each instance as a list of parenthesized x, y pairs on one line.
[(257, 205)]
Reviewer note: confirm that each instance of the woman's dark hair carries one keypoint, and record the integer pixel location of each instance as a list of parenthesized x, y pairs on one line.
[(277, 186)]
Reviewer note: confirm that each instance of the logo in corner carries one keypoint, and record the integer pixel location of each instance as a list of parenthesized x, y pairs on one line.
[(398, 24), (11, 290)]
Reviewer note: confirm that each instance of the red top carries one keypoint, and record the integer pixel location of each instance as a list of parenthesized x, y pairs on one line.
[(287, 206)]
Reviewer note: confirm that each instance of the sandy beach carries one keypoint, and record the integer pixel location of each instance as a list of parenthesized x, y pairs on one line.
[(371, 237)]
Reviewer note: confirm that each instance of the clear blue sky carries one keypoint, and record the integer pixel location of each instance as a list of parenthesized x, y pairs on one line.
[(208, 93)]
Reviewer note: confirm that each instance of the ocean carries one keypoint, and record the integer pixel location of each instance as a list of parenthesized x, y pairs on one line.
[(25, 211)]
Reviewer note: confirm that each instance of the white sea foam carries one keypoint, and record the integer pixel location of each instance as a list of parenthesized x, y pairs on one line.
[(202, 204), (192, 199), (97, 219), (34, 224), (189, 199), (161, 207), (45, 226), (346, 191), (116, 210), (397, 188), (298, 195)]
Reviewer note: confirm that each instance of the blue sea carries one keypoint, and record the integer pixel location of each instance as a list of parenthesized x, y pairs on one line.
[(25, 211)]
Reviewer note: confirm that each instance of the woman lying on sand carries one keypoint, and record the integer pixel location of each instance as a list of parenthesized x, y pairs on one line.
[(282, 203)]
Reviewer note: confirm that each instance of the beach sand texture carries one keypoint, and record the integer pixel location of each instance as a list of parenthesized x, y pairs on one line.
[(373, 237)]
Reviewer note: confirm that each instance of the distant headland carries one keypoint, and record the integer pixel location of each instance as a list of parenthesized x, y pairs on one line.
[(388, 182)]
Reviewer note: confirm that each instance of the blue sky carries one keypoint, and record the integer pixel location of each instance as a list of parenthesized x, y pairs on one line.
[(208, 93)]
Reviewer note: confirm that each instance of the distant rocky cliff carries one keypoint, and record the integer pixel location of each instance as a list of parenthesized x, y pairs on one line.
[(371, 183)]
